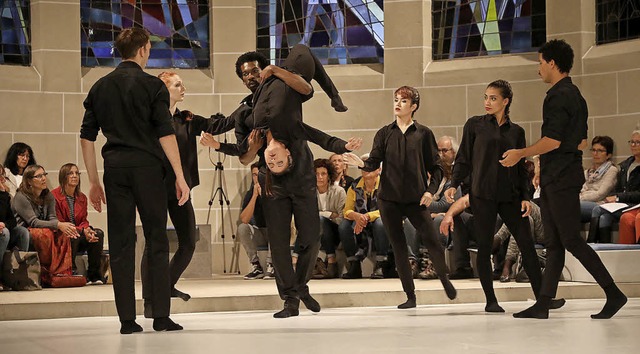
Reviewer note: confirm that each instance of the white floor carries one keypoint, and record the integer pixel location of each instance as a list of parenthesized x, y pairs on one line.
[(427, 329)]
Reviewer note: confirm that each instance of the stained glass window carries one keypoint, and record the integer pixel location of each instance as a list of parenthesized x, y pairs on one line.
[(337, 31), (15, 45), (617, 20), (487, 27), (179, 31)]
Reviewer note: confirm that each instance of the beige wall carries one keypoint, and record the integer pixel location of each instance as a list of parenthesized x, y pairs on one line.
[(42, 104)]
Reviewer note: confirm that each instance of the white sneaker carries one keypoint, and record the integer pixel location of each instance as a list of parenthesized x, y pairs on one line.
[(270, 273)]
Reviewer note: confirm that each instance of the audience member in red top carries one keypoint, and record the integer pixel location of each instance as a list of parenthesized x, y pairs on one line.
[(71, 206)]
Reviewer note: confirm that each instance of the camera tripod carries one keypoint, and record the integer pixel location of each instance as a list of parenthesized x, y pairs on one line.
[(218, 188)]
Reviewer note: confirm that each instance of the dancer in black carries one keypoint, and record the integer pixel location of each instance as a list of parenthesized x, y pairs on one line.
[(277, 115), (187, 126), (496, 189), (410, 155), (132, 110), (564, 133)]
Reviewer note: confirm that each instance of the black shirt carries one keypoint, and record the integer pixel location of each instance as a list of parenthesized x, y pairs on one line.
[(243, 126), (408, 159), (483, 143), (257, 219), (187, 128), (6, 214), (564, 118), (132, 109)]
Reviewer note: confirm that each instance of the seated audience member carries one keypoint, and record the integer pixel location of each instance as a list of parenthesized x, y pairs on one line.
[(19, 156), (460, 214), (342, 179), (535, 222), (361, 222), (627, 191), (600, 179), (331, 199), (71, 207), (11, 235), (447, 148), (252, 231), (35, 208)]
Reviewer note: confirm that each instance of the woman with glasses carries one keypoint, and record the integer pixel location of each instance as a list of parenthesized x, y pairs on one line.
[(600, 179), (19, 156), (35, 208), (627, 191), (71, 206)]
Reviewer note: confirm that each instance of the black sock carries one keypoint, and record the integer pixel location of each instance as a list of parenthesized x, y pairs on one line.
[(410, 303), (615, 300), (165, 324), (177, 293), (539, 310), (129, 326), (493, 307)]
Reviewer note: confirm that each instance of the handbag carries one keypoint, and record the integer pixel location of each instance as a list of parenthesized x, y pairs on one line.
[(21, 270), (67, 281)]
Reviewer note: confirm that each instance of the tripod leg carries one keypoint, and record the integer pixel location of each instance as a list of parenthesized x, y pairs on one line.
[(235, 250)]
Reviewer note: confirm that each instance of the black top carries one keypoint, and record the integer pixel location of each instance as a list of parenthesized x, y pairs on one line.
[(243, 126), (345, 182), (564, 118), (257, 219), (187, 128), (6, 214), (132, 109), (483, 143), (628, 189), (408, 159), (278, 107)]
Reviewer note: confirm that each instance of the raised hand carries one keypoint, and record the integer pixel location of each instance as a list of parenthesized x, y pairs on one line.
[(352, 159), (209, 140), (353, 144)]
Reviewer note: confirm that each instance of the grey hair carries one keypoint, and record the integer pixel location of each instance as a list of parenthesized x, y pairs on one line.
[(454, 143)]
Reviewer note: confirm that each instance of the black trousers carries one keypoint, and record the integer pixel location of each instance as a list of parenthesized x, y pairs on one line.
[(303, 62), (392, 214), (126, 189), (560, 209), (94, 253), (462, 235), (485, 213), (184, 221), (278, 211)]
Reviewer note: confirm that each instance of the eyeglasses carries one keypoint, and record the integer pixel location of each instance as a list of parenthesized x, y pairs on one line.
[(40, 176), (634, 142), (602, 151), (443, 151)]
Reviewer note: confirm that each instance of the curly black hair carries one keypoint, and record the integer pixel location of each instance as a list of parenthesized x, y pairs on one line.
[(250, 57), (326, 163)]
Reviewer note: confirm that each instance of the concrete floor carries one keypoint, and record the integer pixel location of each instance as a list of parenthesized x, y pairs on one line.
[(456, 328)]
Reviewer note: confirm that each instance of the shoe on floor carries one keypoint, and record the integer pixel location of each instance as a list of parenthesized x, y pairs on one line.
[(255, 273), (270, 273)]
